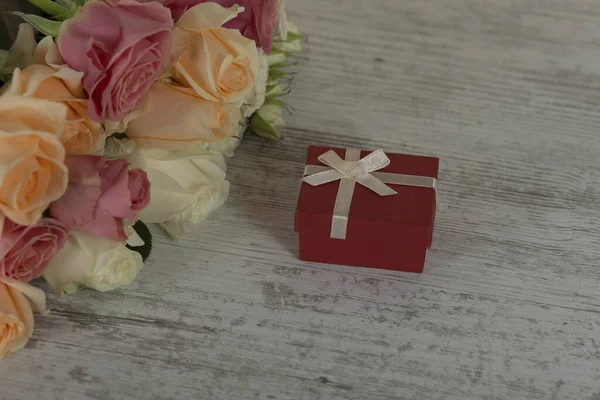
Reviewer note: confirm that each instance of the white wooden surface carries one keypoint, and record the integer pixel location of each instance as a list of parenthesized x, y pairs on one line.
[(507, 94)]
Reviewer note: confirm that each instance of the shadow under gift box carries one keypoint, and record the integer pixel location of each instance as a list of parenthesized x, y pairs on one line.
[(387, 232)]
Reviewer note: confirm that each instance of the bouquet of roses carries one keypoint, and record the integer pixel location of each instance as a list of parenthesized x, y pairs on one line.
[(123, 111)]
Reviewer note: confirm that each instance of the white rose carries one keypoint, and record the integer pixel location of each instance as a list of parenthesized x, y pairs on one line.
[(92, 261), (256, 97), (186, 185)]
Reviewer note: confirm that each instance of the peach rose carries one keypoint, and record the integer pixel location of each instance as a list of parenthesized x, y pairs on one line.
[(49, 79), (32, 169), (218, 63), (177, 118), (16, 314), (16, 320)]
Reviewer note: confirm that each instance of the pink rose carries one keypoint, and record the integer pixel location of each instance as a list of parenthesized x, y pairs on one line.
[(257, 22), (25, 251), (177, 7), (121, 46), (102, 194)]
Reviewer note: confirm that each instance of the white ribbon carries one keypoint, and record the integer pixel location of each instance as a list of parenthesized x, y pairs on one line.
[(355, 170), (358, 171)]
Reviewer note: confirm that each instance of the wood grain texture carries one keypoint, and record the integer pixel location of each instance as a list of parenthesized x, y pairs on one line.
[(507, 94)]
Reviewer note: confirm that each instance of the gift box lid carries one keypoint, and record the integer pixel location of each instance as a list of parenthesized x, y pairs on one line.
[(410, 213)]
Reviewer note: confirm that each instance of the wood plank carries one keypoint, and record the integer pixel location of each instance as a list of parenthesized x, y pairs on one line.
[(507, 94)]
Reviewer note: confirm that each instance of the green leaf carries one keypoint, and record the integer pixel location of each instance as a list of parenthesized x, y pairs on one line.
[(262, 128), (275, 96), (4, 54), (146, 236), (298, 57), (49, 7), (276, 50), (276, 91), (276, 58), (279, 103), (283, 65), (59, 9), (68, 4), (272, 82), (20, 54), (275, 74), (5, 77), (46, 26), (293, 36)]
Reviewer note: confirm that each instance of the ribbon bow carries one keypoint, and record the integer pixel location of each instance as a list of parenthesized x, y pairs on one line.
[(357, 171)]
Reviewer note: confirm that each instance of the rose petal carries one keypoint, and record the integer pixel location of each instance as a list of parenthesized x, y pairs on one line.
[(77, 206), (139, 188)]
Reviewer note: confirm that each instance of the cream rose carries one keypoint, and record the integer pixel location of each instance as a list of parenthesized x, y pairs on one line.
[(186, 186), (32, 169), (175, 118), (49, 79), (218, 63), (92, 261)]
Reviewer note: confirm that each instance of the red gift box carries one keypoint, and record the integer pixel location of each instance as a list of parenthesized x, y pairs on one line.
[(389, 231)]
